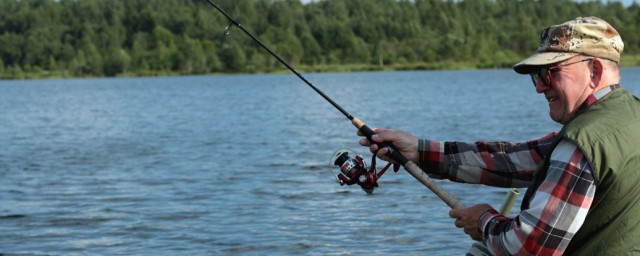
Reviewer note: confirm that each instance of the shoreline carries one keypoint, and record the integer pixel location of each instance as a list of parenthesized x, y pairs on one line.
[(8, 74)]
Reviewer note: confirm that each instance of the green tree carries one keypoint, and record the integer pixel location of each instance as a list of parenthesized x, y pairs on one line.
[(213, 63), (234, 58), (164, 49), (78, 65), (11, 51), (140, 55), (16, 72), (194, 58), (94, 61), (117, 61), (312, 51)]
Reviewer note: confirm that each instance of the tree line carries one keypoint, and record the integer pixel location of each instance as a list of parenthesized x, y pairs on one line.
[(69, 38)]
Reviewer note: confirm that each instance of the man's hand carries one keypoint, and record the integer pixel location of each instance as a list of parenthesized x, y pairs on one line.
[(467, 218), (404, 142)]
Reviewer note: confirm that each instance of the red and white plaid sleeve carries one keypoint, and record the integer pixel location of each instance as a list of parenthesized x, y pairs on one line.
[(557, 210), (499, 164)]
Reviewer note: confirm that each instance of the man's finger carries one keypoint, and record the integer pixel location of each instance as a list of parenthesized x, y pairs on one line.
[(459, 223)]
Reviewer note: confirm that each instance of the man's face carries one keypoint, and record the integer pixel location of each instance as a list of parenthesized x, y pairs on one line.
[(566, 87)]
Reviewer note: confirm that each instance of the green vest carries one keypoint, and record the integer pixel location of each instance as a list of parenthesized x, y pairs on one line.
[(608, 133)]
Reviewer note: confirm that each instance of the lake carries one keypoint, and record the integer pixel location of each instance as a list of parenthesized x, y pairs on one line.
[(240, 164)]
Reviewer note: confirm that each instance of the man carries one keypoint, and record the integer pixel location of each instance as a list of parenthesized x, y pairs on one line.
[(583, 195)]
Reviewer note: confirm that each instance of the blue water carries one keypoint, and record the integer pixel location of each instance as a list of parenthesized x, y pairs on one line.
[(240, 164)]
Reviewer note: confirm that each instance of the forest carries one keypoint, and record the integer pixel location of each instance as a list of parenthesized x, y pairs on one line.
[(96, 38)]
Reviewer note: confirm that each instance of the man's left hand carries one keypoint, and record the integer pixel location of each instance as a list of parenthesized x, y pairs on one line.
[(467, 218)]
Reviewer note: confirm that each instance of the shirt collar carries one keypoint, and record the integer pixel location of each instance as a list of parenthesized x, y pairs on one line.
[(593, 98)]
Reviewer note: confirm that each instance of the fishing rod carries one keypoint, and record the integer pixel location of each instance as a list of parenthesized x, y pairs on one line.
[(411, 167)]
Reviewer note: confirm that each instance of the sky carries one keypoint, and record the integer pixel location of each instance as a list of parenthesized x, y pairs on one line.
[(625, 2)]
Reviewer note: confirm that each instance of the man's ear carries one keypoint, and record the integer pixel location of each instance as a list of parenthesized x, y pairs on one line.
[(597, 72)]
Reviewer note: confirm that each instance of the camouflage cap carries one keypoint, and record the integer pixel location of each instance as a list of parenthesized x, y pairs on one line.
[(589, 36)]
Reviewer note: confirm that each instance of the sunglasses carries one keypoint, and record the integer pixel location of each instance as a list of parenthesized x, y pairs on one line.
[(544, 73)]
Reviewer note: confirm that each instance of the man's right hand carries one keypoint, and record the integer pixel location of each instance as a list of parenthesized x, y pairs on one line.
[(406, 143)]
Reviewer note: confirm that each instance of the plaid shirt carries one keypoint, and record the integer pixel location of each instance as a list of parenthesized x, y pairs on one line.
[(559, 206), (541, 229)]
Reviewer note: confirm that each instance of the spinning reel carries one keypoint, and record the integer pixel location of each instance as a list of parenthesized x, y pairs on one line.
[(353, 170)]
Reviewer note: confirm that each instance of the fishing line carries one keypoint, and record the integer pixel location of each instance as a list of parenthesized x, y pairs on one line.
[(411, 167)]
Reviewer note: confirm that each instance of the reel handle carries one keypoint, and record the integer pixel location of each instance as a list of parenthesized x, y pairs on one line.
[(411, 167)]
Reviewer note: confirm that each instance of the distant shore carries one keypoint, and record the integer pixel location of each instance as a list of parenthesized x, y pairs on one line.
[(8, 74)]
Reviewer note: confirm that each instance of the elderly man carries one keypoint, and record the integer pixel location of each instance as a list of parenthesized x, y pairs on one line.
[(583, 195)]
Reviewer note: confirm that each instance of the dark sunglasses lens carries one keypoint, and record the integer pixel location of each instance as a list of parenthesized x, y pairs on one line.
[(534, 79), (540, 74), (536, 76)]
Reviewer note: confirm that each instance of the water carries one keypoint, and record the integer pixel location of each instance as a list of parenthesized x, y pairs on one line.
[(240, 164)]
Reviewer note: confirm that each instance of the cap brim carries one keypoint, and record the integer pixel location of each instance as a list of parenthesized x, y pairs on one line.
[(541, 59)]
